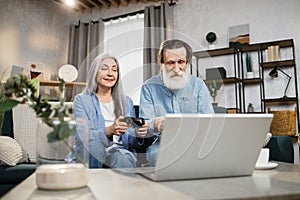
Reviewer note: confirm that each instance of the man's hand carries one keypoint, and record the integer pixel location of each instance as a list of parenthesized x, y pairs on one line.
[(142, 131), (159, 124)]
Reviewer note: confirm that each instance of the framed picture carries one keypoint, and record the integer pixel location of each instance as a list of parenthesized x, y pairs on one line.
[(16, 70), (36, 70), (238, 35)]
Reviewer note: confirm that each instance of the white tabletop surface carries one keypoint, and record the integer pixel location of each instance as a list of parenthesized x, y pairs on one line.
[(280, 183)]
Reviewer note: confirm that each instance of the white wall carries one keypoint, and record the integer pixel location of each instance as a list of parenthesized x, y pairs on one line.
[(268, 19), (33, 30), (38, 30)]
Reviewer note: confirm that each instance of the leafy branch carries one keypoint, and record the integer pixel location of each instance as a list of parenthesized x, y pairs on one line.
[(19, 89)]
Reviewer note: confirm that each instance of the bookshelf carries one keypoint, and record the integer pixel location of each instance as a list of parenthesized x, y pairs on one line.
[(265, 62)]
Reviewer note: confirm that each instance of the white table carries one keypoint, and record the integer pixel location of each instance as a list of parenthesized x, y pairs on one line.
[(280, 183)]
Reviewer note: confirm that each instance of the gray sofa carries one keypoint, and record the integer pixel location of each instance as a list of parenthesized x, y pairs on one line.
[(12, 175)]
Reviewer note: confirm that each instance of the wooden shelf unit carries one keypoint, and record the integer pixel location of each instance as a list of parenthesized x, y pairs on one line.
[(241, 82)]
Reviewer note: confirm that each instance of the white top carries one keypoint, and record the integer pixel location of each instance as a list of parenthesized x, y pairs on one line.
[(107, 110)]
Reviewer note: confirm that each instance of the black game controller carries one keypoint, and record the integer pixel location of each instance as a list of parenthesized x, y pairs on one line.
[(135, 122)]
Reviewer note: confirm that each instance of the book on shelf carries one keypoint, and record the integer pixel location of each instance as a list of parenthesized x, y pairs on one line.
[(273, 53)]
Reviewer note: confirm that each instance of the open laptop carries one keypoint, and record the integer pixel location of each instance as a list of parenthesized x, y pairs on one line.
[(209, 145)]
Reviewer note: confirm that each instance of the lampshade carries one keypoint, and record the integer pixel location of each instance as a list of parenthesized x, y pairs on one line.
[(274, 73)]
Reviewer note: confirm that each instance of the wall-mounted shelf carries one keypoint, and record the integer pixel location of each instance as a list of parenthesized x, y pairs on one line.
[(225, 80), (282, 64), (67, 84), (281, 100), (72, 88), (251, 81)]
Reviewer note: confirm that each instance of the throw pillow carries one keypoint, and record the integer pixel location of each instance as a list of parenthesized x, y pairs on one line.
[(11, 153)]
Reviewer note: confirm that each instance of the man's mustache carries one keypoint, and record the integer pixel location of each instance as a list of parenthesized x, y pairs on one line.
[(174, 74)]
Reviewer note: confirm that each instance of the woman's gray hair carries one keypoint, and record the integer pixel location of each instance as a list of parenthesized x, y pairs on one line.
[(118, 95)]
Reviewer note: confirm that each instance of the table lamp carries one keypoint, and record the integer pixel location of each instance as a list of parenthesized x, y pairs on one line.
[(274, 74)]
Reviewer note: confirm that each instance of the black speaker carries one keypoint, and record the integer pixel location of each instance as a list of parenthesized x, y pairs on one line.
[(218, 73)]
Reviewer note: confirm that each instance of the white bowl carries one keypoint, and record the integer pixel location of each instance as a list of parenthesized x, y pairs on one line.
[(61, 176)]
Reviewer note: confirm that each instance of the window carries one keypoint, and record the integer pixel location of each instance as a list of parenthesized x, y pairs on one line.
[(123, 38)]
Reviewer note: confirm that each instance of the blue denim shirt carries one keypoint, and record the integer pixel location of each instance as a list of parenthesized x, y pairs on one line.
[(87, 106), (157, 100)]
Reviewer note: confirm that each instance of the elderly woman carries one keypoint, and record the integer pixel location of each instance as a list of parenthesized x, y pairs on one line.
[(104, 105)]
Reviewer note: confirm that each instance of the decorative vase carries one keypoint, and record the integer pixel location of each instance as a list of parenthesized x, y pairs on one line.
[(250, 75), (211, 46), (250, 108), (59, 166), (214, 104)]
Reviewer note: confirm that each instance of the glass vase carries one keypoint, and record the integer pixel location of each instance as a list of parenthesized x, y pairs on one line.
[(60, 165)]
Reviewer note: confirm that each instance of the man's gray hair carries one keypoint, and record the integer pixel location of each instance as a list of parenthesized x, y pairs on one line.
[(173, 44), (118, 95)]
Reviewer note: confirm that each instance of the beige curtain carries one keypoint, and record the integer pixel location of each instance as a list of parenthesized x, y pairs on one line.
[(157, 28)]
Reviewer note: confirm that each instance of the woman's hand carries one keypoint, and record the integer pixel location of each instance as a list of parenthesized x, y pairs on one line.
[(119, 127), (159, 124), (142, 131)]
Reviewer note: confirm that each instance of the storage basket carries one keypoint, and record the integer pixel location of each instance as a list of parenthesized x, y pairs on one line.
[(284, 122)]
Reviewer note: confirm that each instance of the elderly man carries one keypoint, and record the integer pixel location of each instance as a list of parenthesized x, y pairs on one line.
[(173, 90)]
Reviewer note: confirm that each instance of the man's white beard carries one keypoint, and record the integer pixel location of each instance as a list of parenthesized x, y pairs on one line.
[(175, 83)]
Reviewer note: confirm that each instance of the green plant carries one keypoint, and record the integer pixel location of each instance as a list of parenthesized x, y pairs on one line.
[(248, 63), (211, 37), (213, 88), (20, 89)]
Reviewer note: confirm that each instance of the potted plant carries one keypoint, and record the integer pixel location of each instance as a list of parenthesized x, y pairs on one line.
[(56, 130), (250, 73), (211, 37), (213, 88)]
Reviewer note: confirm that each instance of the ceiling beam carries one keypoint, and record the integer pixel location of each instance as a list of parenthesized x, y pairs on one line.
[(76, 7), (124, 2), (106, 5), (94, 4), (114, 3), (85, 6)]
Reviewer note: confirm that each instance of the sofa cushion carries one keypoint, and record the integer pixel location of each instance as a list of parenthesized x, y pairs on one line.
[(11, 153), (16, 174), (25, 128), (281, 149)]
